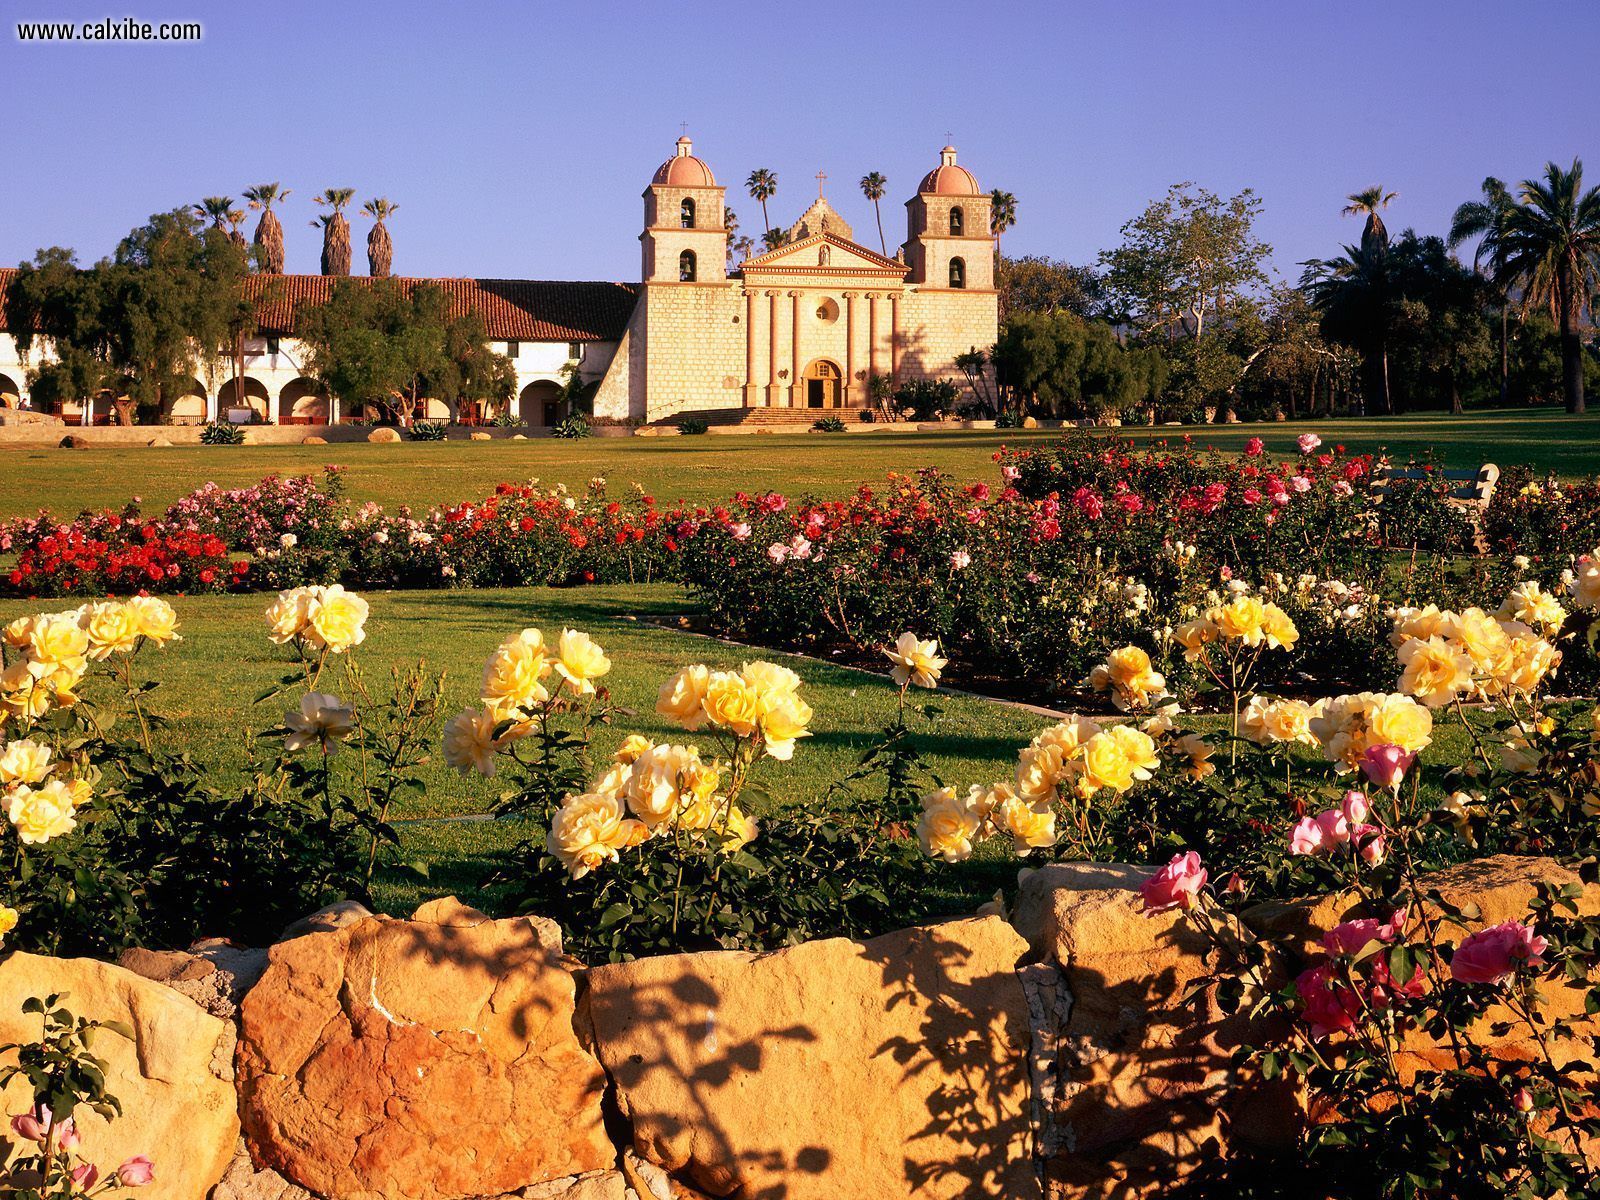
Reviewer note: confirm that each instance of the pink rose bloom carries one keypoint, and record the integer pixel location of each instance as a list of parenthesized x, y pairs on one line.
[(32, 1125), (1175, 885), (1387, 765), (1489, 955), (741, 532), (1341, 488), (777, 552), (1254, 447), (1010, 474), (1300, 483), (86, 1175), (1308, 442), (960, 560), (1327, 1004), (1352, 937), (1306, 837), (1354, 807), (136, 1172), (1369, 839), (1250, 496)]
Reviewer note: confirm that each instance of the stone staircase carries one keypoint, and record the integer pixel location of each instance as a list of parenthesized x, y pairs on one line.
[(761, 418)]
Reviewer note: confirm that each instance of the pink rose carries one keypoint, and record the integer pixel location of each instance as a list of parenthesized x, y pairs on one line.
[(1327, 1004), (1175, 885), (1254, 448), (136, 1172), (1010, 474), (86, 1175), (1306, 837), (32, 1125), (1387, 765), (1489, 955), (1370, 844), (1308, 442), (1352, 937), (1354, 807), (1300, 483)]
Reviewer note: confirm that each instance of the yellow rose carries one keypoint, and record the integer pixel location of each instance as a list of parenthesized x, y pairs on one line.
[(1531, 662), (1280, 631), (632, 746), (915, 661), (1266, 720), (1425, 622), (469, 742), (8, 920), (321, 720), (732, 703), (59, 638), (682, 697), (1242, 619), (982, 801), (1199, 752), (737, 829), (770, 680), (1483, 639), (1399, 721), (1030, 828), (287, 615), (154, 618), (1116, 758), (784, 719), (1434, 671), (40, 814), (658, 780), (1040, 770), (336, 620), (1585, 584), (511, 677), (1532, 605), (25, 761), (589, 831), (1128, 675), (946, 827), (580, 661), (81, 791), (1194, 637), (18, 634)]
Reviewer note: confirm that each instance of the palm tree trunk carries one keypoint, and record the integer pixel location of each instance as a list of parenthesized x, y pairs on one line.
[(766, 221), (882, 245), (1505, 358), (1571, 351)]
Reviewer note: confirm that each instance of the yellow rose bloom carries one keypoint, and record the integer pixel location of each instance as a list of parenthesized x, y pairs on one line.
[(1030, 829), (1194, 637), (737, 829), (632, 747), (658, 781), (589, 831), (731, 703), (287, 615), (915, 661), (1434, 671), (18, 634), (682, 698), (39, 814), (512, 675), (8, 920), (1116, 758), (81, 791), (1128, 675), (1532, 605), (1040, 770), (1266, 720), (24, 761), (1400, 721), (946, 827), (469, 742), (321, 720), (1483, 638), (1350, 725), (58, 638), (336, 620), (1280, 631), (1199, 752), (1429, 621), (784, 719), (982, 801), (1531, 662), (1242, 619), (1585, 584), (580, 661), (154, 618), (770, 680)]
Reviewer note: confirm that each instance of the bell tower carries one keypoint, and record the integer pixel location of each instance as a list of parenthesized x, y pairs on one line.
[(948, 243), (684, 238)]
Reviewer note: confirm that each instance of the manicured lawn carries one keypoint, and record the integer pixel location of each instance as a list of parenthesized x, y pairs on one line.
[(210, 679), (712, 467)]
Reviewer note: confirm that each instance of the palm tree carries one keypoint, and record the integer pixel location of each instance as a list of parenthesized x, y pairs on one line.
[(763, 186), (335, 230), (269, 230), (236, 219), (1550, 249), (873, 186), (380, 247), (1352, 294), (215, 209), (1002, 215), (773, 238), (1486, 220), (1374, 237)]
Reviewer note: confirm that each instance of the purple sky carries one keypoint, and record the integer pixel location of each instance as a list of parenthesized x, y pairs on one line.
[(516, 137)]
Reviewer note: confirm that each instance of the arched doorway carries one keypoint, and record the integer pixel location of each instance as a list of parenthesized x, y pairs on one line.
[(252, 396), (302, 403), (822, 384), (541, 403), (10, 392), (188, 407)]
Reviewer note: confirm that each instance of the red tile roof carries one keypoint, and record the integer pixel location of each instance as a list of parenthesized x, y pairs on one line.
[(526, 310)]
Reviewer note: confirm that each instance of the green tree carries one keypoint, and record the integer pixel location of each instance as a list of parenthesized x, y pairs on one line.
[(269, 230), (874, 186), (52, 298), (215, 209), (380, 246), (1441, 335), (1045, 285), (1550, 250), (1064, 366), (1002, 215), (1354, 296), (1369, 202), (762, 186), (1485, 220), (335, 230)]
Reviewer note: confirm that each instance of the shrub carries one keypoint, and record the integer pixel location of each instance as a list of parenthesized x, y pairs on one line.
[(828, 424), (927, 399), (1010, 418), (221, 433), (505, 420), (573, 426), (866, 416), (426, 431), (694, 426)]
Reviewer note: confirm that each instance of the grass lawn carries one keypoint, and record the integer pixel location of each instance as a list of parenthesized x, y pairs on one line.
[(210, 679), (712, 467)]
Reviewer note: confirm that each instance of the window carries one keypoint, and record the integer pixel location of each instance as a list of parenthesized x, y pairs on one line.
[(686, 267), (686, 214), (958, 273), (272, 345), (574, 351), (513, 349), (958, 222)]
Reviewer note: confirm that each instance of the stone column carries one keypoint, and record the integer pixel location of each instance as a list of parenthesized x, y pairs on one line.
[(894, 336), (749, 347), (848, 391), (772, 349), (872, 333), (796, 399)]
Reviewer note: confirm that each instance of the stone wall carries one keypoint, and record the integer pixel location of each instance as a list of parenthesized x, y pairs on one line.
[(1060, 1054)]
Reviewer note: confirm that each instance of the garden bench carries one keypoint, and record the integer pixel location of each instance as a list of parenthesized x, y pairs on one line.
[(1472, 488)]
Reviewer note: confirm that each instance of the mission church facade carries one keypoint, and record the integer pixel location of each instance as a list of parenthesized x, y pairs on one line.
[(805, 326)]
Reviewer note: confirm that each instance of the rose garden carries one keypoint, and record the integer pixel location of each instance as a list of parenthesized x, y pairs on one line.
[(1111, 820)]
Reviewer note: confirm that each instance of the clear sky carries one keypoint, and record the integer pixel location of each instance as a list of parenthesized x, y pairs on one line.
[(516, 137)]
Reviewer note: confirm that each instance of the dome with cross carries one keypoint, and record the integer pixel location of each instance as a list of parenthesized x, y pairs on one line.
[(683, 169)]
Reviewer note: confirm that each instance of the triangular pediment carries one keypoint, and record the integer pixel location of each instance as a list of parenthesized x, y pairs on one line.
[(823, 253)]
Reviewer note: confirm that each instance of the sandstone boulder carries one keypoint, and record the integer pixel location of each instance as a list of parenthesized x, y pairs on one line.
[(74, 441), (384, 435), (893, 1067), (215, 973), (158, 440), (313, 440), (176, 1106), (427, 1059), (479, 435), (333, 916)]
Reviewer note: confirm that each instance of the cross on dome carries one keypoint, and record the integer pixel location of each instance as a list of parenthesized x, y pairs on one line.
[(822, 178)]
